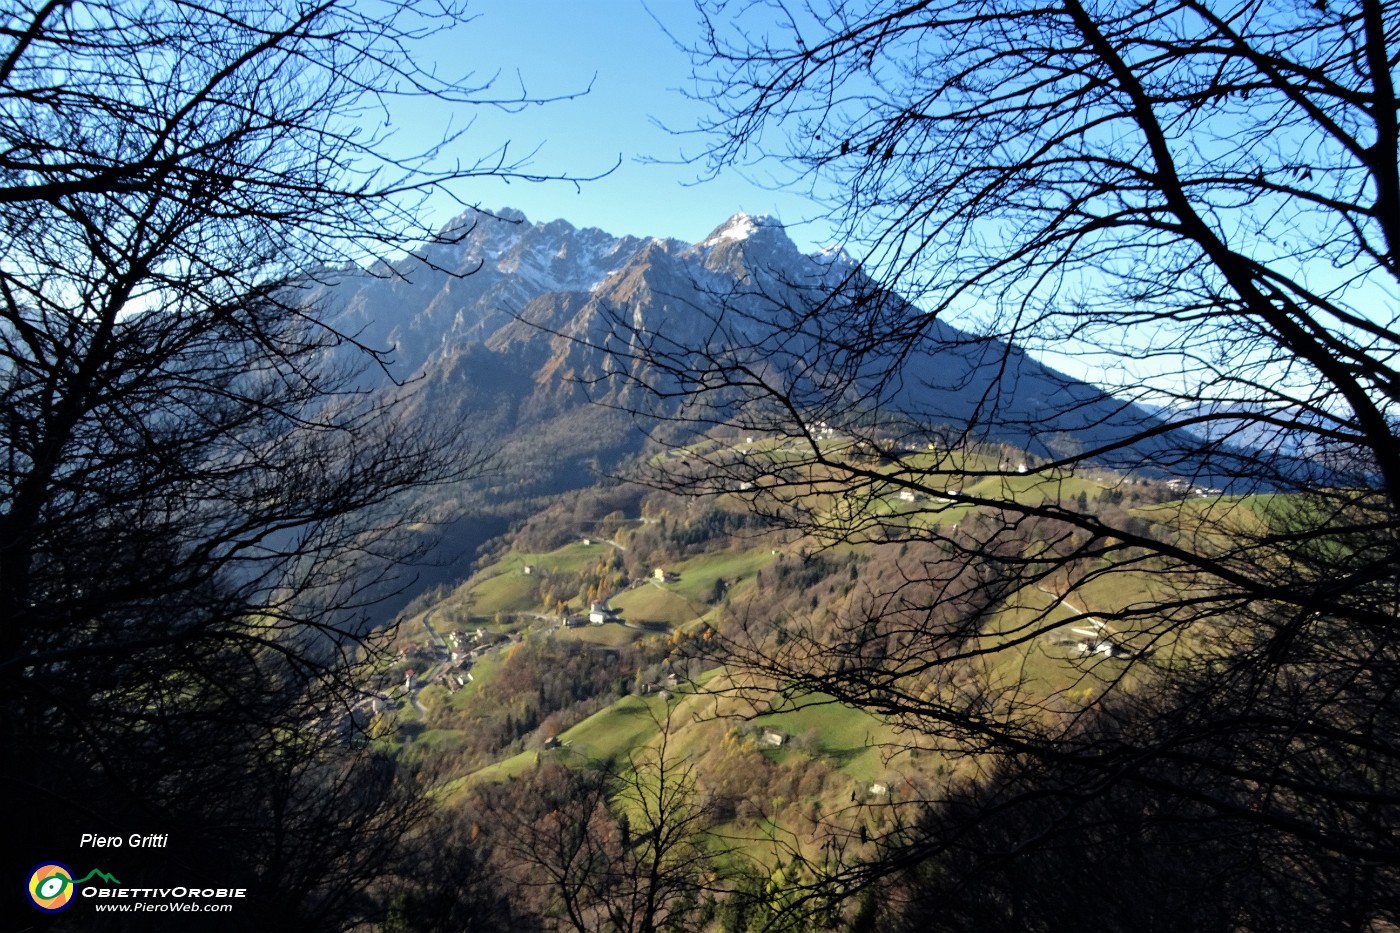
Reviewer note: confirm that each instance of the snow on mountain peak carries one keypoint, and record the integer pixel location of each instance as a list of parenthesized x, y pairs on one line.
[(739, 227)]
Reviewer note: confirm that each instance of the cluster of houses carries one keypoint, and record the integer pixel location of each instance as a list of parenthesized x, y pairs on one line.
[(467, 648), (449, 663), (819, 430), (1187, 489), (909, 495)]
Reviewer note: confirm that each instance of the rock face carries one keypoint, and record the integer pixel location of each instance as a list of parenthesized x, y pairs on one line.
[(542, 340), (513, 328), (490, 274)]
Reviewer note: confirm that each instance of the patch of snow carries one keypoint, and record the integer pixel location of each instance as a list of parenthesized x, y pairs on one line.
[(739, 227), (835, 253)]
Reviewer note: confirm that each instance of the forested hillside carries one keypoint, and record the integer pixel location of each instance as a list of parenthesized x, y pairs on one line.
[(548, 735)]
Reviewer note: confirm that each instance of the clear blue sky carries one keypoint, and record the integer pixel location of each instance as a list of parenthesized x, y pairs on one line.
[(556, 47)]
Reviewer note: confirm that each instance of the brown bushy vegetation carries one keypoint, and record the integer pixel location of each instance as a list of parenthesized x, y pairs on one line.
[(542, 687)]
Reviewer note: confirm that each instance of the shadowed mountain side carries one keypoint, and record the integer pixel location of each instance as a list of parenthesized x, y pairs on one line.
[(540, 310), (688, 323), (513, 330)]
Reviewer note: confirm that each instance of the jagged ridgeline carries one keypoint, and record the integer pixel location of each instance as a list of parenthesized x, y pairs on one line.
[(538, 338), (513, 328)]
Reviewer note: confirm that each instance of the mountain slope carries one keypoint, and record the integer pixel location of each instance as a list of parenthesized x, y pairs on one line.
[(511, 328)]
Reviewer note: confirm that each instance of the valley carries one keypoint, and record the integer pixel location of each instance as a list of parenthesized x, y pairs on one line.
[(780, 608), (1017, 553), (603, 627)]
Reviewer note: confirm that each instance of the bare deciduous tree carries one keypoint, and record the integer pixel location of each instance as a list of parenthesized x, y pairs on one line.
[(195, 504), (625, 847), (1194, 204)]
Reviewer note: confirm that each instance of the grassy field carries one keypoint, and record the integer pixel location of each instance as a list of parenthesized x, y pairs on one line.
[(437, 740), (611, 733), (609, 635), (570, 558), (848, 739), (698, 575), (656, 602), (511, 591), (1040, 666), (690, 596), (504, 586), (513, 766)]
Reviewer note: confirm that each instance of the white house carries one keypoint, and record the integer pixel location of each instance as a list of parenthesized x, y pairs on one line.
[(599, 614)]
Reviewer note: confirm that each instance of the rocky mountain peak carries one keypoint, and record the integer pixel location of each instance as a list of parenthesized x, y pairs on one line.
[(538, 317), (741, 227)]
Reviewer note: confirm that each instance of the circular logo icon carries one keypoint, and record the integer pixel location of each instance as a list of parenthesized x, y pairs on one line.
[(50, 887)]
